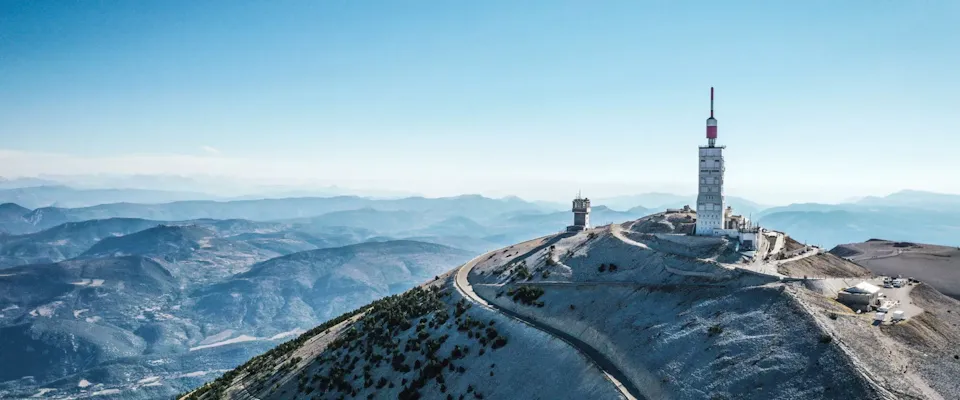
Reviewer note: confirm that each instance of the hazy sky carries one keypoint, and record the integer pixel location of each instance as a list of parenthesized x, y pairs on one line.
[(816, 100)]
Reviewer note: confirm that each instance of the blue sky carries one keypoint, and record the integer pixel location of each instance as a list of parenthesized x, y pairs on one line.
[(816, 100)]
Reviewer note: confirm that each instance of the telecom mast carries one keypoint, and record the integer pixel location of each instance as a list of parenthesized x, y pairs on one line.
[(711, 124), (711, 215)]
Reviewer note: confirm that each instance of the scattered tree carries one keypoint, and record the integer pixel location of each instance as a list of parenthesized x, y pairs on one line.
[(715, 330), (526, 294)]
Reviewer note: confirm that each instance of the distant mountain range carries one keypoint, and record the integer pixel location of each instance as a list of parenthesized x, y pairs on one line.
[(16, 183), (101, 189), (470, 206), (121, 236), (103, 301), (67, 197), (914, 199), (903, 216), (906, 215), (660, 201)]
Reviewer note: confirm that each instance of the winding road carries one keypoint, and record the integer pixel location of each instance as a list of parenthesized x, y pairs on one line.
[(608, 368)]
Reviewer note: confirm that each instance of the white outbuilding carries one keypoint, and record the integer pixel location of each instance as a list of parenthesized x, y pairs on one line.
[(898, 315), (879, 317), (860, 296)]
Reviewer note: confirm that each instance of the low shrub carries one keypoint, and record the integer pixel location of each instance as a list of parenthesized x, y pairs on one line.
[(526, 295), (715, 330)]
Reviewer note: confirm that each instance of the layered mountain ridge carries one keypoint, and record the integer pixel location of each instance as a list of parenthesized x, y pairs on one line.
[(117, 301)]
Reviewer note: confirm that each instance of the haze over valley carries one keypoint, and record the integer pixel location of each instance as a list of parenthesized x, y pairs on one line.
[(907, 215)]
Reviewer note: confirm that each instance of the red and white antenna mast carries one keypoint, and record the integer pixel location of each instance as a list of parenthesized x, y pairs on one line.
[(711, 124)]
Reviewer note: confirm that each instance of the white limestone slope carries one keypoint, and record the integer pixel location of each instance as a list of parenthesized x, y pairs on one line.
[(594, 357), (533, 364), (683, 326)]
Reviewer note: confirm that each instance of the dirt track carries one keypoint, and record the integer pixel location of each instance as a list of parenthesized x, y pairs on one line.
[(823, 265)]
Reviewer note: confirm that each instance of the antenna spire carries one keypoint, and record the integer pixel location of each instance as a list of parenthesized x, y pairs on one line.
[(711, 102)]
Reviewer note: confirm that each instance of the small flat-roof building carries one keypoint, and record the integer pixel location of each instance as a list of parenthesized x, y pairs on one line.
[(898, 315), (879, 317), (581, 214), (860, 296)]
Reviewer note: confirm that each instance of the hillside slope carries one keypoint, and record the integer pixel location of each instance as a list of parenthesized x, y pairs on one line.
[(64, 241), (195, 255), (426, 343), (146, 315), (677, 317), (316, 285), (938, 266), (134, 236), (678, 326)]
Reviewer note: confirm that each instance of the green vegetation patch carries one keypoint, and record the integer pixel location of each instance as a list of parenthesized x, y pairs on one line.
[(527, 294), (266, 360), (398, 336)]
